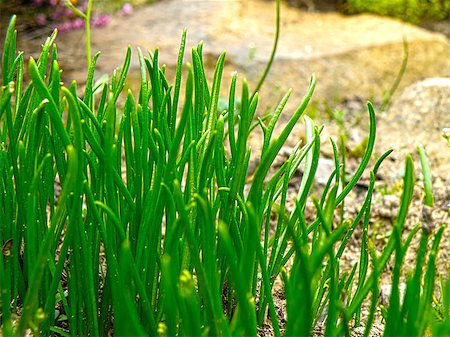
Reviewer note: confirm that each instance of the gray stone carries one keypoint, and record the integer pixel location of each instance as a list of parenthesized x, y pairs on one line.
[(419, 115), (423, 109)]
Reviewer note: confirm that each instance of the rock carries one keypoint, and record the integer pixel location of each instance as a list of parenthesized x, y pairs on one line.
[(324, 170), (423, 110), (386, 290), (418, 116), (351, 55), (387, 206)]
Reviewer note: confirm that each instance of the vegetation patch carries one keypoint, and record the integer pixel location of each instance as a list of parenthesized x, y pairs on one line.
[(414, 11), (409, 10)]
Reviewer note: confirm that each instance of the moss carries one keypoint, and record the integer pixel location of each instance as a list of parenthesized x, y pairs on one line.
[(413, 11), (409, 10)]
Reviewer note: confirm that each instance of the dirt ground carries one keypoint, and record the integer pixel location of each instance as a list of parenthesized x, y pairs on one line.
[(385, 205)]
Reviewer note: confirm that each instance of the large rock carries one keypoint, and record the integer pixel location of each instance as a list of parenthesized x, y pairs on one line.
[(351, 56), (423, 111), (418, 116)]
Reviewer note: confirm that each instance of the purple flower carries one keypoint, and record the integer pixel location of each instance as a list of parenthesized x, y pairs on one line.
[(41, 19), (102, 20), (78, 23), (53, 2), (64, 27), (37, 3), (67, 12), (127, 9)]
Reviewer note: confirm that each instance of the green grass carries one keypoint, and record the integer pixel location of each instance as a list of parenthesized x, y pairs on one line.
[(413, 11), (183, 245)]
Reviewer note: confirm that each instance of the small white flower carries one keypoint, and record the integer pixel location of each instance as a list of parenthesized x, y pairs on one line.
[(446, 135)]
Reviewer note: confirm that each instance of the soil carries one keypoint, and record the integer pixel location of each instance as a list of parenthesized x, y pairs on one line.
[(385, 206)]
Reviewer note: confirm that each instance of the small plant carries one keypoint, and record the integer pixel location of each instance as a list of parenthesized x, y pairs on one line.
[(446, 135), (156, 230)]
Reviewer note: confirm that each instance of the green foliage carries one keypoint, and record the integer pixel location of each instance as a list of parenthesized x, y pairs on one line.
[(156, 230), (446, 135), (408, 10)]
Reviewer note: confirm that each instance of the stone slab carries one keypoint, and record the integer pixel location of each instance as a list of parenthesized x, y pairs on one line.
[(350, 55), (418, 116)]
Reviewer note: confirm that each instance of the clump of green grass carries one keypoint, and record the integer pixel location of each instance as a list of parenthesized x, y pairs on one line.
[(409, 10), (182, 246)]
